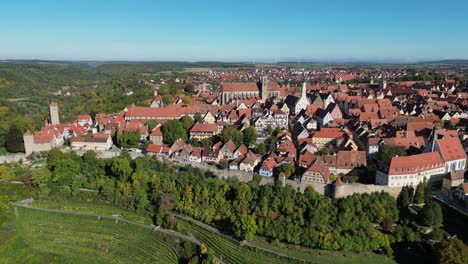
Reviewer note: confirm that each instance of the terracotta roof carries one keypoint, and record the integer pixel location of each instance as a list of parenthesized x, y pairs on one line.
[(230, 144), (158, 148), (150, 112), (204, 127), (351, 159), (242, 149), (239, 87), (156, 132), (328, 134), (269, 164), (415, 163), (44, 136), (338, 181), (451, 148), (319, 167)]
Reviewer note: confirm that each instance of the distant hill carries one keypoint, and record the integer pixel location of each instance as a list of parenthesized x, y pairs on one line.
[(447, 62)]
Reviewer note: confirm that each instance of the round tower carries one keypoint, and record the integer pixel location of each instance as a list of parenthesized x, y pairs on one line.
[(282, 179), (338, 186)]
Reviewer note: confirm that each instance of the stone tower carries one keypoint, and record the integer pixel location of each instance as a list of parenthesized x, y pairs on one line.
[(338, 188), (28, 139), (264, 94), (54, 113)]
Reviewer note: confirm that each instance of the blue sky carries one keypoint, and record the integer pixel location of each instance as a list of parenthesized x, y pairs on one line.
[(230, 30)]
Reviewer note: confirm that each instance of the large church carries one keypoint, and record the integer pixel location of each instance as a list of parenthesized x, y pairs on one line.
[(261, 90)]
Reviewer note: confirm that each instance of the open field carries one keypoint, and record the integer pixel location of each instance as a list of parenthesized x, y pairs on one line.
[(92, 240)]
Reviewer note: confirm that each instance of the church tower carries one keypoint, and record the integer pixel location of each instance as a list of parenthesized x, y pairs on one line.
[(382, 83), (264, 93), (304, 89), (54, 113)]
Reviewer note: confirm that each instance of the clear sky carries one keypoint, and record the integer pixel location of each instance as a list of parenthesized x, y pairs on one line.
[(234, 30)]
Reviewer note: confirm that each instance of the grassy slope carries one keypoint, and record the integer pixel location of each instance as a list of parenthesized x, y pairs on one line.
[(91, 240), (13, 249)]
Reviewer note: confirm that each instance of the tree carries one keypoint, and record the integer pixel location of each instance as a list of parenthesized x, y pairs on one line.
[(14, 140), (167, 99), (41, 178), (189, 88), (250, 136), (286, 168), (151, 124), (230, 133), (187, 122), (4, 173), (403, 199), (172, 131), (244, 226), (197, 117), (120, 167), (419, 194), (452, 251), (187, 100), (387, 152), (431, 214), (261, 149)]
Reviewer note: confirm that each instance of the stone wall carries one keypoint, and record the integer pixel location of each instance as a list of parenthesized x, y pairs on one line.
[(12, 158)]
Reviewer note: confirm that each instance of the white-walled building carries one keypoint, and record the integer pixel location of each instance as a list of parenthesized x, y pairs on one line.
[(410, 170)]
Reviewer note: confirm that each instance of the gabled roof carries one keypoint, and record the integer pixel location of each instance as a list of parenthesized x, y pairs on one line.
[(451, 148), (319, 167), (415, 163)]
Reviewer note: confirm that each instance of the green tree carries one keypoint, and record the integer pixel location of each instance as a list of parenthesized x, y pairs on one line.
[(14, 140), (230, 133), (245, 226), (431, 214), (189, 88), (387, 152), (187, 122), (172, 131), (250, 136), (5, 175), (120, 167), (286, 168), (419, 194), (197, 117), (167, 99), (151, 124), (41, 178), (452, 251), (261, 149), (403, 199), (187, 100)]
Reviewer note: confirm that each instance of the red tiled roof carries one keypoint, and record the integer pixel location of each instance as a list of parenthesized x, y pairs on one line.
[(451, 148), (204, 127), (329, 134), (319, 167), (158, 148), (351, 159), (239, 87), (415, 163)]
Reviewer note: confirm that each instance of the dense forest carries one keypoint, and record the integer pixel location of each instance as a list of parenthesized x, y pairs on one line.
[(368, 222)]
